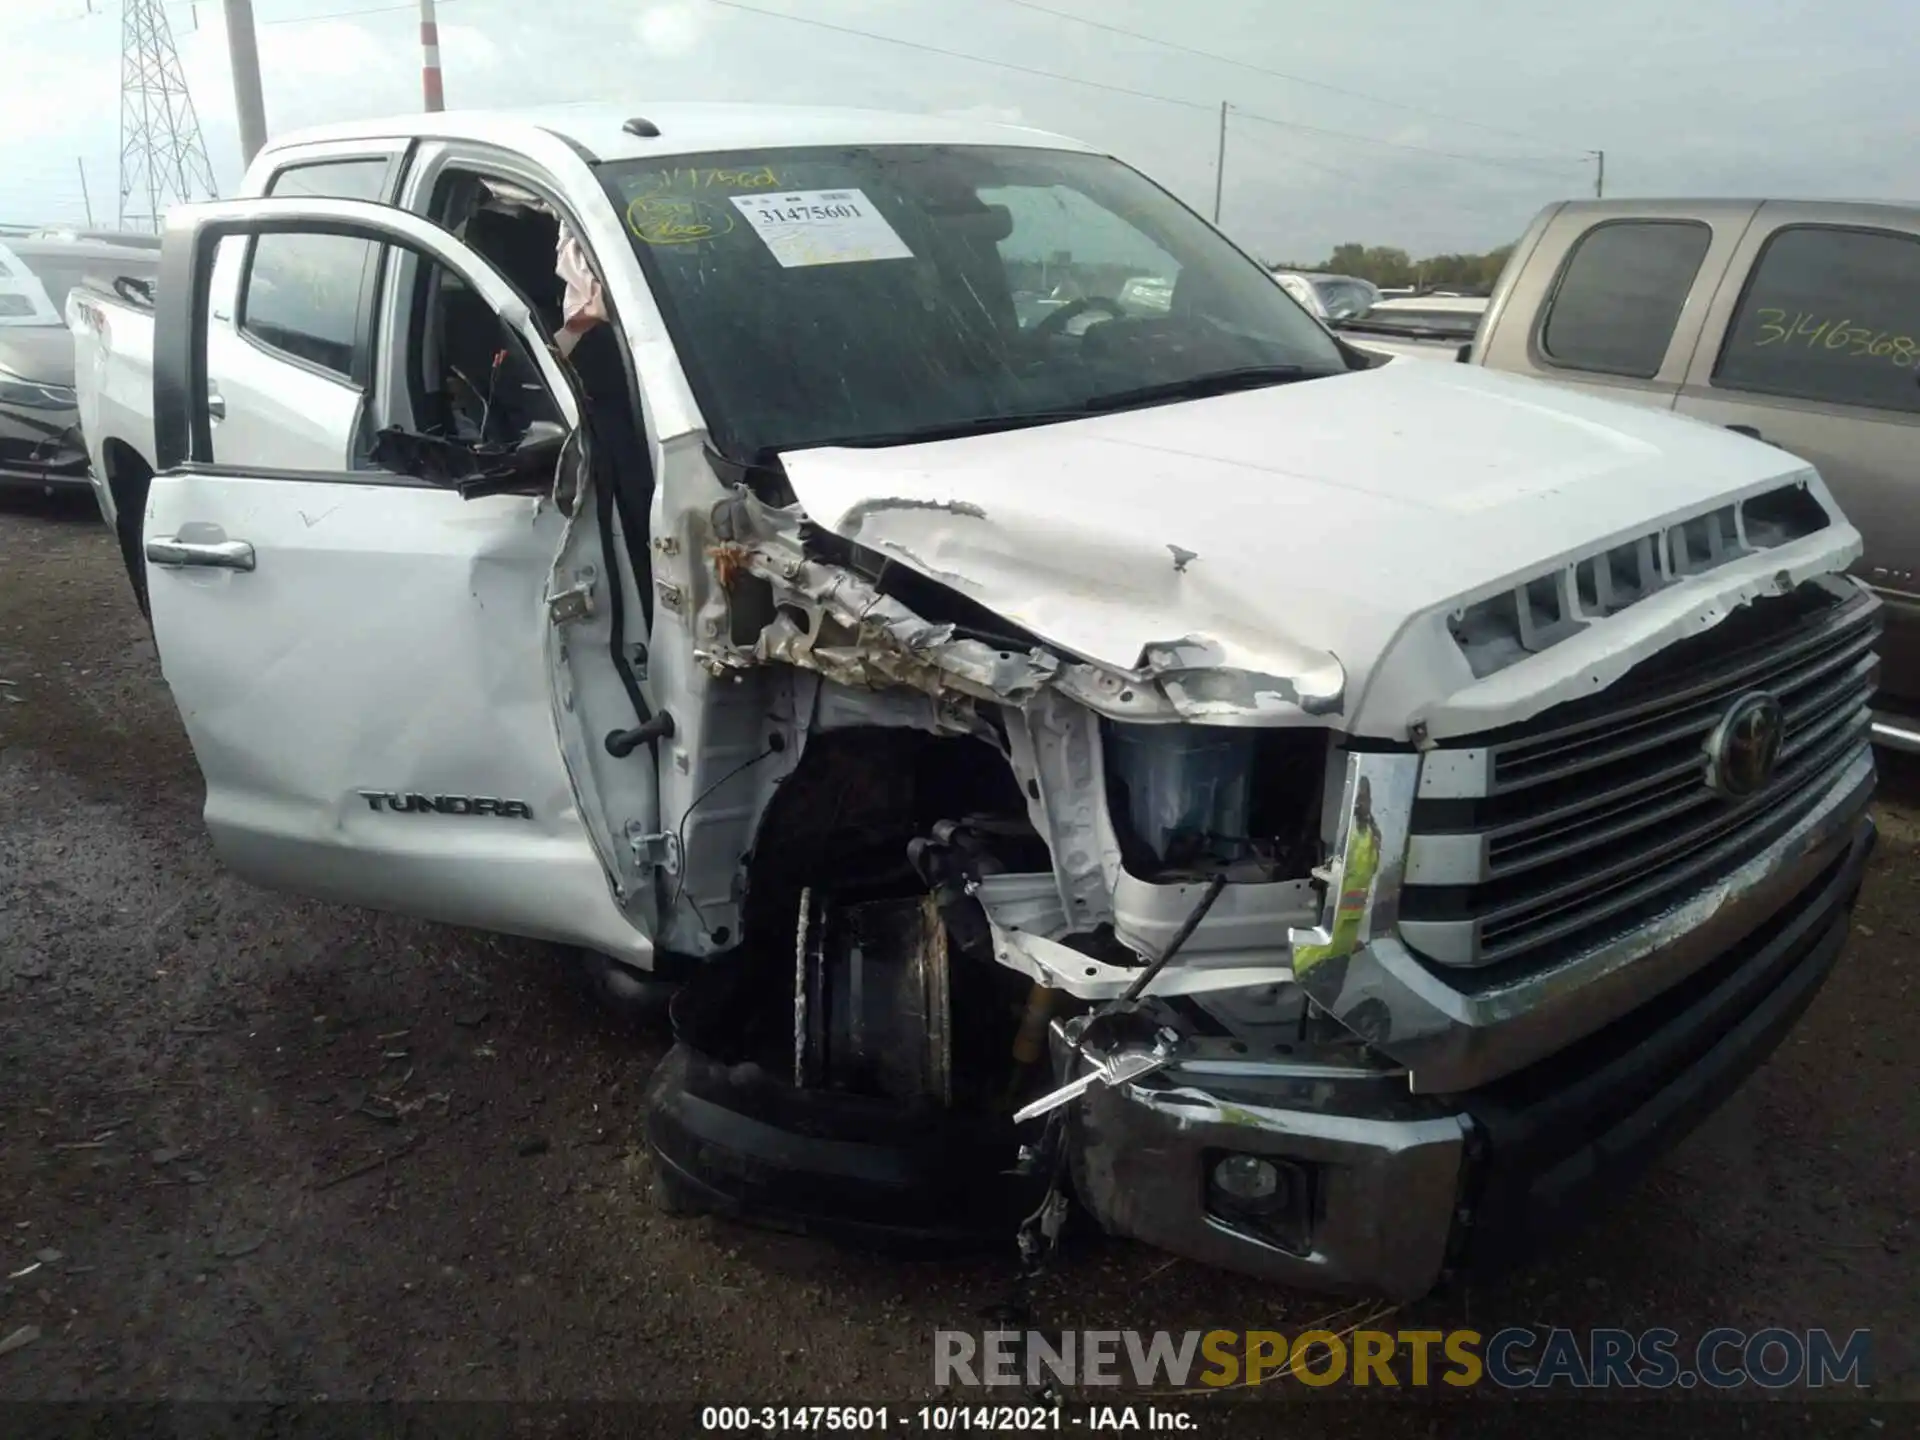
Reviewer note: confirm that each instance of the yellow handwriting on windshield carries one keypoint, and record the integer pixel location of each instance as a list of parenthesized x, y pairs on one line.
[(693, 178), (1835, 337), (677, 219)]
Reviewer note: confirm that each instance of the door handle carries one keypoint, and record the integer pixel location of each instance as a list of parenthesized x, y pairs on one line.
[(216, 404), (209, 554)]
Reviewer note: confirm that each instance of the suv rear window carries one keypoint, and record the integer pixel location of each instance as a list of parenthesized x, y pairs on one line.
[(1620, 295), (1830, 314)]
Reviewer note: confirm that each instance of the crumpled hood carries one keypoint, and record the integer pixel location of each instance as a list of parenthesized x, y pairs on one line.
[(1281, 525)]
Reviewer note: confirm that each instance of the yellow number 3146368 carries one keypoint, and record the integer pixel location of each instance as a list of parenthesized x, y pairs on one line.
[(1836, 337)]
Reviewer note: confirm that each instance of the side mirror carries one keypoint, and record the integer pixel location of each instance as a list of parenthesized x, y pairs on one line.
[(1464, 354), (525, 467), (541, 442)]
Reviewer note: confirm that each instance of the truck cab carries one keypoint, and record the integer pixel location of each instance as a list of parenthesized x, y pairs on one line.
[(1334, 818), (1794, 322)]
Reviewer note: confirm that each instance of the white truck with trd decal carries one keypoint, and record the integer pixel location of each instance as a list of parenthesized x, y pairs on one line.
[(1335, 818)]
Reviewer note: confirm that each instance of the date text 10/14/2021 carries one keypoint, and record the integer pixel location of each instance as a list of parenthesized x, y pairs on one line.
[(948, 1419)]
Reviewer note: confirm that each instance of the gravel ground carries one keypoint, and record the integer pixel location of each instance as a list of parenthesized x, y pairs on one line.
[(253, 1147)]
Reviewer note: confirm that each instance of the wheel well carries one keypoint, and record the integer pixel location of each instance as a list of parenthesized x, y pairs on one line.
[(128, 476)]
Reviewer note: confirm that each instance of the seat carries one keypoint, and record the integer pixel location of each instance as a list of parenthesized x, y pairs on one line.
[(472, 335)]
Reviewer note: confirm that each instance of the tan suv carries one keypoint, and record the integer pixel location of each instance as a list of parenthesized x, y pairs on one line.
[(1795, 321)]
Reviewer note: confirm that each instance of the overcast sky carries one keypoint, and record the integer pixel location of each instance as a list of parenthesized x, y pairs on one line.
[(1694, 97)]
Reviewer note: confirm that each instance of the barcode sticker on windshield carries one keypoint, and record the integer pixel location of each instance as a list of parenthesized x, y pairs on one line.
[(821, 227)]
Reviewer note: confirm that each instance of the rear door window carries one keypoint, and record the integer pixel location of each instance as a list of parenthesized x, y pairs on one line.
[(1830, 314), (1620, 296), (307, 295)]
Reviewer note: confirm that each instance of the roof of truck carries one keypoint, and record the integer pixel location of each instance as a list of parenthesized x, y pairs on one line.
[(691, 128), (1730, 207)]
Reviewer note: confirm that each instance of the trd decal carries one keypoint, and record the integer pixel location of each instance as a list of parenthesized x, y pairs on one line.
[(386, 800)]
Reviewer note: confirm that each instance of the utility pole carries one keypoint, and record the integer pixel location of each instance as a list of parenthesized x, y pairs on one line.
[(1219, 163), (243, 53), (85, 197), (1599, 173), (436, 96)]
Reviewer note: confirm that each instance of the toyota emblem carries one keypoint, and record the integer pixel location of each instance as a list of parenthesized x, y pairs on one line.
[(1744, 747)]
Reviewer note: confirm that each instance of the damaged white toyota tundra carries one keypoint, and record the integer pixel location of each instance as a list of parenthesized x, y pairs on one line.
[(1065, 722)]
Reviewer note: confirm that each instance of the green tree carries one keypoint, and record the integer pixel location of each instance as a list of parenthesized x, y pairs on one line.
[(1390, 267)]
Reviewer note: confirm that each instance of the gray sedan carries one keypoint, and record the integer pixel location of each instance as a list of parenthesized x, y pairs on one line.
[(40, 444)]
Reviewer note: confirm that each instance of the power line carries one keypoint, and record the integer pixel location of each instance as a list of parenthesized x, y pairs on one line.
[(1534, 166), (193, 6), (958, 55), (1264, 70), (1123, 89), (413, 8), (1294, 157)]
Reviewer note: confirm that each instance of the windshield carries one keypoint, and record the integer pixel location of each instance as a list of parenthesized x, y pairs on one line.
[(34, 285), (852, 295)]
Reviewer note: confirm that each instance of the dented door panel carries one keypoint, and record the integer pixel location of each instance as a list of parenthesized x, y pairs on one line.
[(368, 705), (377, 698)]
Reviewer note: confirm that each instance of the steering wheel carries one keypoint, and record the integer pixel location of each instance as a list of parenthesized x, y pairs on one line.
[(1056, 322)]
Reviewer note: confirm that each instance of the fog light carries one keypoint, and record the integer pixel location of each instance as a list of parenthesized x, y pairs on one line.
[(1270, 1200), (1247, 1178)]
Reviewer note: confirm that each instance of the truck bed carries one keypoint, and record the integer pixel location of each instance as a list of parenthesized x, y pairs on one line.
[(113, 377)]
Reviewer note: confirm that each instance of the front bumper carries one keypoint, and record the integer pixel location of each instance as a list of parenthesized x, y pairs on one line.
[(1401, 1188), (42, 449)]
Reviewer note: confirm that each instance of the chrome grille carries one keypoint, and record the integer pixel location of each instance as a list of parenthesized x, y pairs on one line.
[(1530, 843)]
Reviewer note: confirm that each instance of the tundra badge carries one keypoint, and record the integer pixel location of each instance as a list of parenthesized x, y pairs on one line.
[(386, 800)]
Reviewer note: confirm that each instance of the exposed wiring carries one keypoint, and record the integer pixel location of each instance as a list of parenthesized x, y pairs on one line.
[(1038, 1234), (486, 403), (1180, 937), (680, 832)]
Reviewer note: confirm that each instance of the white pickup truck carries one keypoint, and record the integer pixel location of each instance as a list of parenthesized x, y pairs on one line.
[(1339, 818)]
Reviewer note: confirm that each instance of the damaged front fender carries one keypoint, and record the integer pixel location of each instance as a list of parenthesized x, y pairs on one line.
[(839, 624), (829, 619)]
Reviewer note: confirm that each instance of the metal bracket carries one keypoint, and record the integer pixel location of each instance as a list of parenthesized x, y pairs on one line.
[(1122, 1067), (656, 852), (573, 604)]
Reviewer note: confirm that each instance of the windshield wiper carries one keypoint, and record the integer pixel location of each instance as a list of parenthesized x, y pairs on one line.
[(952, 430), (1409, 332), (1198, 387), (1220, 382)]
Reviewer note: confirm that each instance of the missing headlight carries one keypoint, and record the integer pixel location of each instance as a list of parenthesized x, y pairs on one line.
[(1190, 801)]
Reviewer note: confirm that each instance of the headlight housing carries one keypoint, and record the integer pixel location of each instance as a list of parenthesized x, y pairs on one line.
[(33, 395)]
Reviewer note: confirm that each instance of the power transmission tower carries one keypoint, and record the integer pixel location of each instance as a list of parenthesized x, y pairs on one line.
[(163, 159)]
